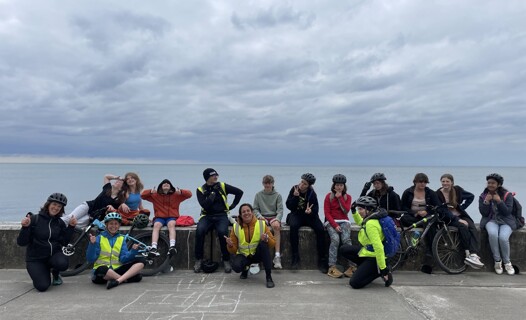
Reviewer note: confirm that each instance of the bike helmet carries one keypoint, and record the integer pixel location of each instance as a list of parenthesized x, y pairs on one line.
[(112, 216), (339, 178), (58, 197), (366, 202), (209, 266), (497, 177), (141, 221), (378, 177), (309, 177)]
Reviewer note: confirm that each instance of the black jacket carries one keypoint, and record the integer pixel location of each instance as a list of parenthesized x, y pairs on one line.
[(212, 202)]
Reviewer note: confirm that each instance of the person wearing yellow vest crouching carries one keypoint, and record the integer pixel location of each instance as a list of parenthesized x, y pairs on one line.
[(251, 241), (112, 262)]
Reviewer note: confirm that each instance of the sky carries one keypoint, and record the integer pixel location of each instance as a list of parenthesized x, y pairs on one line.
[(280, 82)]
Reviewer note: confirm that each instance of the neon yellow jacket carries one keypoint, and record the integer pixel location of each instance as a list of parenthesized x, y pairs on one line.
[(374, 237)]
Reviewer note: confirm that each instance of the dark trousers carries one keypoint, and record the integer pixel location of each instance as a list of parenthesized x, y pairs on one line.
[(367, 268), (100, 273), (39, 271), (296, 221), (469, 236), (262, 254), (206, 223)]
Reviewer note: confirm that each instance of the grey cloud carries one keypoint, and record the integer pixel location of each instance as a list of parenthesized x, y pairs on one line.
[(273, 17)]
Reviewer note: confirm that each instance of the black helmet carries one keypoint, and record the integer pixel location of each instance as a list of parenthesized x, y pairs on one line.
[(209, 266), (497, 177), (309, 177), (58, 197), (378, 176), (366, 202), (339, 178), (141, 221)]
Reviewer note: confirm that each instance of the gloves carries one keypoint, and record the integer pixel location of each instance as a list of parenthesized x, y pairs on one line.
[(353, 207), (217, 187), (367, 186), (387, 272)]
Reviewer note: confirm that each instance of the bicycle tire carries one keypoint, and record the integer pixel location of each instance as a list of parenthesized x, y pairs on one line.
[(159, 263), (448, 252), (77, 261), (398, 259)]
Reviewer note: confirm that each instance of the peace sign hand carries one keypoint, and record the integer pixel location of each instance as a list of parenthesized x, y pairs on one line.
[(309, 208), (296, 191)]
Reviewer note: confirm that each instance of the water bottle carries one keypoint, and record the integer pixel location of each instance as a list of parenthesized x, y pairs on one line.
[(415, 237)]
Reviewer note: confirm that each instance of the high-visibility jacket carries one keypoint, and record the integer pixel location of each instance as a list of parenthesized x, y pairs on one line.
[(223, 196), (249, 248), (109, 256)]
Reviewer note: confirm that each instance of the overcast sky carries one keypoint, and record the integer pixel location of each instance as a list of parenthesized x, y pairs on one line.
[(287, 82)]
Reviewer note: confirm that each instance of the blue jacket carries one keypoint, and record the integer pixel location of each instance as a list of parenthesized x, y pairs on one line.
[(125, 255)]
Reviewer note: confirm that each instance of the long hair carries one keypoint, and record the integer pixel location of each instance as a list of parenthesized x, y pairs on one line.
[(452, 191), (344, 188), (45, 207), (139, 185)]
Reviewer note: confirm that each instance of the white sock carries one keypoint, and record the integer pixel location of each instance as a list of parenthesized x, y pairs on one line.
[(172, 243), (154, 245), (277, 254)]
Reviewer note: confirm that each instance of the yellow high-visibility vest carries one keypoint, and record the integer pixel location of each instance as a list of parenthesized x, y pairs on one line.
[(249, 248), (109, 256)]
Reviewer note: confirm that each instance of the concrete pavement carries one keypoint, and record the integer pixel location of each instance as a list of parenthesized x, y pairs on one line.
[(298, 295)]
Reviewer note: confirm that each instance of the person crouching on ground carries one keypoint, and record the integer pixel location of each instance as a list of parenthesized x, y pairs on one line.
[(44, 235), (112, 262), (251, 240), (371, 264), (166, 200)]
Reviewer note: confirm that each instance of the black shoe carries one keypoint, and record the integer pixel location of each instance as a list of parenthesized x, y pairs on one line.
[(112, 284), (295, 263), (426, 269), (389, 280), (323, 267), (244, 274), (270, 283), (172, 251)]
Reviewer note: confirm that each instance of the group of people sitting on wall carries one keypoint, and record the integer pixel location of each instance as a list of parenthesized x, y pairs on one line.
[(256, 232)]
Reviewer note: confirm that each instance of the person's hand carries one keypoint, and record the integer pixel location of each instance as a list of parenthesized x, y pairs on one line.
[(264, 237), (387, 276), (488, 198), (110, 208), (367, 185), (229, 242), (464, 222), (26, 221), (309, 208), (92, 239), (296, 191), (135, 246), (338, 229), (124, 208), (154, 190), (217, 187), (353, 207), (338, 195), (422, 213), (497, 198), (73, 221), (178, 191)]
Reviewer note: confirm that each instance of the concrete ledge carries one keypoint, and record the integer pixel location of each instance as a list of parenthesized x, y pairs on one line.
[(13, 257)]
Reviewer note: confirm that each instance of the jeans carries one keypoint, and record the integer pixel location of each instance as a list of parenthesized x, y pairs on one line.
[(499, 240), (335, 236), (205, 224)]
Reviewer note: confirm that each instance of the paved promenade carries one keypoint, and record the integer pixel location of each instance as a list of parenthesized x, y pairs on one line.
[(297, 295)]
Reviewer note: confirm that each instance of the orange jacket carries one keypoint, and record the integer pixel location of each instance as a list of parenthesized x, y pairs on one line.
[(248, 229), (166, 205)]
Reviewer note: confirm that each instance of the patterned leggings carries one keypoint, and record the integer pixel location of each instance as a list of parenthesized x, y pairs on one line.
[(335, 236)]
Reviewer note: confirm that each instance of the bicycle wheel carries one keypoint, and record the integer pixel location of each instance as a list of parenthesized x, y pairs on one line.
[(448, 252), (159, 263), (77, 261), (397, 260)]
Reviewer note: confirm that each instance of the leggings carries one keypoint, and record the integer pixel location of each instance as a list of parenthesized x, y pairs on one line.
[(367, 268), (40, 270)]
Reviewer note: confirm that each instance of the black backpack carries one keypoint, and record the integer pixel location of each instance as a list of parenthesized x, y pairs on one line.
[(516, 210)]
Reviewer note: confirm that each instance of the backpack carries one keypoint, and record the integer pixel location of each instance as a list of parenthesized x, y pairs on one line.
[(516, 210), (392, 237)]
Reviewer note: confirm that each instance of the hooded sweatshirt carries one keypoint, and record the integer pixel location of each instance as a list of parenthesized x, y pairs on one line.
[(268, 204), (166, 205)]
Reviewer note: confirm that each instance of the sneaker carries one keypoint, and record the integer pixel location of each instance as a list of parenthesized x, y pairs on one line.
[(112, 284), (277, 262), (197, 265), (270, 283), (334, 272), (172, 251), (473, 261), (227, 266), (349, 272), (509, 268), (57, 280), (323, 266), (244, 274), (498, 267)]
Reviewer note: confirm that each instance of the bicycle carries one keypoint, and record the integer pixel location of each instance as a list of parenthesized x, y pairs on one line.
[(154, 262), (446, 247)]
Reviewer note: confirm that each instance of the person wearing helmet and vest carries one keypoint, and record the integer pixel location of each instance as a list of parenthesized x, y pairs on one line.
[(384, 194), (113, 263), (302, 202), (495, 206), (251, 241), (336, 207), (371, 263), (215, 213), (44, 235), (166, 200)]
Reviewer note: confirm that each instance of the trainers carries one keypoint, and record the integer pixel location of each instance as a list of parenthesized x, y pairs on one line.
[(295, 263), (270, 283), (197, 265), (334, 272), (277, 262), (57, 280), (509, 268), (473, 261), (349, 272), (498, 267), (244, 274), (112, 284), (172, 251), (227, 266), (323, 266)]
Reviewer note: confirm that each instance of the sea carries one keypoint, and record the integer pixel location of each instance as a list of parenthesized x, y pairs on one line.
[(25, 186)]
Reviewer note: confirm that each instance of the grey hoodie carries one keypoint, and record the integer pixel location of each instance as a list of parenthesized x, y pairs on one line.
[(268, 204)]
